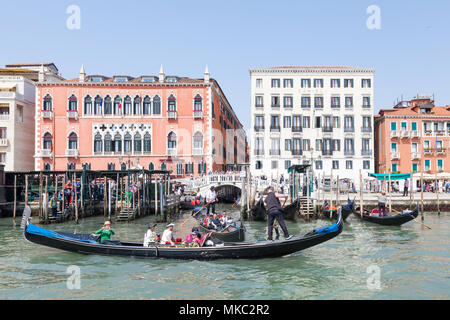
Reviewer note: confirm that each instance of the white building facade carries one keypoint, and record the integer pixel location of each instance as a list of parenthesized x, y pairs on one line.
[(17, 112), (318, 115)]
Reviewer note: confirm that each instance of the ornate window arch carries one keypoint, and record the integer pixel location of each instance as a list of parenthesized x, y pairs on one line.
[(198, 140), (147, 105), (147, 143), (73, 103), (127, 143), (172, 140), (108, 105), (98, 143), (137, 105), (73, 141), (88, 105), (157, 105), (198, 103), (118, 143), (171, 103), (117, 105), (127, 105), (137, 142), (47, 141), (108, 143), (47, 104), (98, 105)]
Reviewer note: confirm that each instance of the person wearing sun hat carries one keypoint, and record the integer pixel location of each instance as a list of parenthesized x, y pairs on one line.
[(105, 232), (167, 236)]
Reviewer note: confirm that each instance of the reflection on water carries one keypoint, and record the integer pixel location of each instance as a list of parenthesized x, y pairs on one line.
[(413, 262)]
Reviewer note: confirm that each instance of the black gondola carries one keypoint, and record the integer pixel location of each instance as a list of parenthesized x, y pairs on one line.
[(290, 211), (84, 243), (229, 234), (395, 220), (346, 211), (186, 205)]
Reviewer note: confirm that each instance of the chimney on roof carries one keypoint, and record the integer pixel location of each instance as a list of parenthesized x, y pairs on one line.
[(161, 74), (206, 75), (41, 76), (82, 74)]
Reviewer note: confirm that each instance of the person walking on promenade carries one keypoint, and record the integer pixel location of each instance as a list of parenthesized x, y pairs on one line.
[(274, 212), (406, 188)]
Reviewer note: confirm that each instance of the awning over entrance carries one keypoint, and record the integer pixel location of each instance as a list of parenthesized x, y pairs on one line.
[(393, 176), (299, 168)]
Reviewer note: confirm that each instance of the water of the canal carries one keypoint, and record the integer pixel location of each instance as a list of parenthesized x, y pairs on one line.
[(365, 261)]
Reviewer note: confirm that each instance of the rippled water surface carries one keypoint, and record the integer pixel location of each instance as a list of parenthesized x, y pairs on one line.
[(413, 262)]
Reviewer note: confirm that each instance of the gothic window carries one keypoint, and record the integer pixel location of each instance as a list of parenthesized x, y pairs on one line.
[(157, 105), (147, 105), (198, 103), (108, 105), (137, 105), (171, 140), (108, 144), (118, 143), (73, 103), (47, 141), (73, 141), (147, 143), (137, 142), (98, 143), (127, 143), (127, 106), (198, 140), (172, 103), (47, 106), (98, 105), (88, 105)]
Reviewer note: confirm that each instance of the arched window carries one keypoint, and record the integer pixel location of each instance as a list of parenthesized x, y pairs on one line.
[(47, 167), (147, 105), (47, 141), (71, 166), (127, 143), (47, 105), (73, 103), (163, 166), (98, 105), (171, 103), (147, 143), (98, 143), (171, 140), (156, 105), (118, 143), (108, 144), (198, 140), (73, 141), (151, 166), (117, 105), (108, 105), (127, 106), (88, 105), (198, 103), (137, 105), (137, 143)]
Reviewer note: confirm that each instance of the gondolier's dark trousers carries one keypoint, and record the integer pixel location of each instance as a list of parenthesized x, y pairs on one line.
[(212, 205), (278, 215)]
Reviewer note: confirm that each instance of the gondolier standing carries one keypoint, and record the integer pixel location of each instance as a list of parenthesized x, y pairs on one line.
[(274, 211), (211, 198)]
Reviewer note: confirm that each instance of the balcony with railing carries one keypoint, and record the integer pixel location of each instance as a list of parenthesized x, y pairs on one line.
[(197, 151), (45, 153), (296, 152), (415, 134), (349, 152), (274, 128), (395, 134), (327, 152), (415, 156), (258, 152), (72, 114), (349, 129), (172, 114), (276, 105), (395, 155), (405, 134), (366, 129), (306, 106), (335, 106), (327, 129), (366, 152), (4, 117), (297, 129), (440, 151), (259, 105), (72, 153), (274, 152), (3, 142), (198, 114), (259, 128), (47, 114), (366, 106), (171, 152), (428, 151)]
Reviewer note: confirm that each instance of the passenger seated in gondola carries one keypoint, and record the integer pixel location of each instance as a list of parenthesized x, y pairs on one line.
[(225, 220), (194, 238), (105, 233), (150, 236), (214, 222), (167, 237)]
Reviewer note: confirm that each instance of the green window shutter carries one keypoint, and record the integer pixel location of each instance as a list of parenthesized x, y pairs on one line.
[(414, 126), (414, 167), (393, 126)]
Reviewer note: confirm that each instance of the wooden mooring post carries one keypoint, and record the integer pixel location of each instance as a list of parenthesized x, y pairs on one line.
[(74, 185), (421, 195), (361, 201), (15, 199), (437, 195)]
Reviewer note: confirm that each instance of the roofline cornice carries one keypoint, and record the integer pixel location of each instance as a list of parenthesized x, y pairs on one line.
[(312, 70)]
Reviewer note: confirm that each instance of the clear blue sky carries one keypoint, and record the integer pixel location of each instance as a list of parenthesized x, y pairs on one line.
[(411, 52)]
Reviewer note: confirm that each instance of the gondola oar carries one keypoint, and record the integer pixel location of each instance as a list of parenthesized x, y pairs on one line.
[(193, 215), (414, 219)]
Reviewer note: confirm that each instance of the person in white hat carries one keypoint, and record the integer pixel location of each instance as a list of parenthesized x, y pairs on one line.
[(167, 235)]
